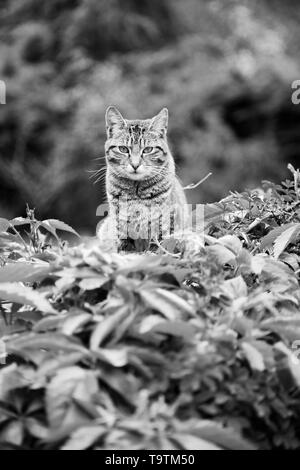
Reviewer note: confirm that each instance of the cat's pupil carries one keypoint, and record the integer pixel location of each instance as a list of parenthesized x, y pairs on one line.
[(148, 149)]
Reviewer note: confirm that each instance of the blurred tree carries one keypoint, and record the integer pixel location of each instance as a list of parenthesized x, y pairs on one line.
[(104, 26)]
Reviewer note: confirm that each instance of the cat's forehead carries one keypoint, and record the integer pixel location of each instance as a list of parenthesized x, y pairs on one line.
[(138, 129)]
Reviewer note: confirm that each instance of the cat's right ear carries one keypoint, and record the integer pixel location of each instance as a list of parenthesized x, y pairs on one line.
[(114, 120)]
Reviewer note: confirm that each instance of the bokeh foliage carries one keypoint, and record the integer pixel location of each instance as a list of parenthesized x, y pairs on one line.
[(223, 69)]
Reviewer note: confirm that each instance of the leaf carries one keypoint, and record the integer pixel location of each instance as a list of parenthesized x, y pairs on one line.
[(166, 302), (50, 365), (242, 325), (55, 224), (244, 261), (254, 357), (235, 288), (14, 292), (4, 225), (50, 322), (84, 437), (140, 263), (191, 442), (284, 239), (20, 221), (92, 283), (73, 323), (148, 323), (69, 383), (193, 242), (36, 429), (227, 437), (48, 341), (277, 272), (13, 377), (3, 353), (269, 239), (24, 271), (258, 263), (124, 385), (287, 365), (214, 213), (291, 259), (13, 432), (174, 328), (221, 253), (7, 239), (106, 327), (49, 228), (114, 357), (287, 328), (78, 273), (64, 283), (231, 242)]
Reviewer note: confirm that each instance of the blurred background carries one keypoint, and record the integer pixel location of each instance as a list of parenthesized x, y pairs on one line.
[(223, 68)]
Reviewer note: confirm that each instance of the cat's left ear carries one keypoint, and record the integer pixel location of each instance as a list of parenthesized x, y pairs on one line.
[(159, 123), (114, 120)]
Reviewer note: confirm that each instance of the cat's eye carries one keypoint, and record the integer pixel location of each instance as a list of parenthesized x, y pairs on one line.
[(123, 149), (147, 149)]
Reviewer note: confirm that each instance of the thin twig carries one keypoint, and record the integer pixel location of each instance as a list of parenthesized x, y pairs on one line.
[(195, 185), (296, 177)]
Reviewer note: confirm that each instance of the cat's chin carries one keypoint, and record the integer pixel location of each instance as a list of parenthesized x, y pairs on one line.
[(137, 176)]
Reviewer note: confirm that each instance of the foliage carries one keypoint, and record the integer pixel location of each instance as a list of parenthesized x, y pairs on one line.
[(186, 348)]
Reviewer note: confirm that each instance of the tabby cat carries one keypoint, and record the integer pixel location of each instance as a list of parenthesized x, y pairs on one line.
[(146, 201)]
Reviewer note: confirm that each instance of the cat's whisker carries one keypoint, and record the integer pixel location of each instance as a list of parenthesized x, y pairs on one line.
[(100, 178), (100, 158), (93, 171), (100, 169), (96, 173)]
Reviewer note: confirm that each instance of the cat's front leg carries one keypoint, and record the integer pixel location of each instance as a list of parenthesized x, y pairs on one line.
[(107, 235)]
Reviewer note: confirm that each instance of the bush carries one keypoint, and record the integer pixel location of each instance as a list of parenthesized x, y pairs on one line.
[(37, 42), (100, 29), (106, 349)]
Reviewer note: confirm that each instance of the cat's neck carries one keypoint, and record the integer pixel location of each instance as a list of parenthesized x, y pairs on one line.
[(119, 186)]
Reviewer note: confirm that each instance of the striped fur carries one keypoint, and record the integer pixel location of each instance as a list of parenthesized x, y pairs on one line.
[(145, 198)]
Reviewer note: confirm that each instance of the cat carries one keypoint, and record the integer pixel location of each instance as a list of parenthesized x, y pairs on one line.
[(146, 200)]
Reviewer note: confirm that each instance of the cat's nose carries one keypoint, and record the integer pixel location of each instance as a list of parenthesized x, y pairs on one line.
[(135, 165)]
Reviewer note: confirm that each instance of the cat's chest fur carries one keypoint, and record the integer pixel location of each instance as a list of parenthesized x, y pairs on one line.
[(144, 210), (139, 206)]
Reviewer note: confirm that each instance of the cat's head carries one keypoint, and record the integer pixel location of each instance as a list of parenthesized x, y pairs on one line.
[(137, 149)]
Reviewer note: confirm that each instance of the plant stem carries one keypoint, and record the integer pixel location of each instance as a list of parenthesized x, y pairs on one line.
[(195, 185), (20, 238)]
